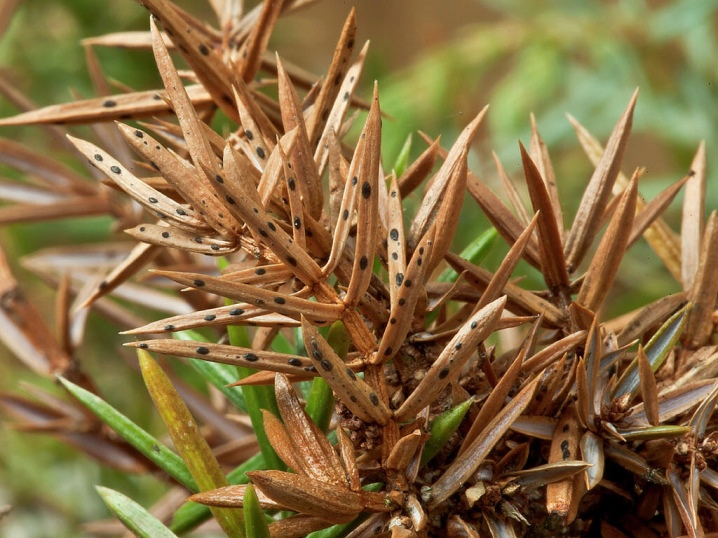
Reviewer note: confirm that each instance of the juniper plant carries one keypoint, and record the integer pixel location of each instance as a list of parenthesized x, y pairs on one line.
[(357, 388)]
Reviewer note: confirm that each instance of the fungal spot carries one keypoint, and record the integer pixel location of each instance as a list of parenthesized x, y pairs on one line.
[(256, 211), (260, 153), (350, 45), (260, 271), (249, 134), (443, 373), (351, 374), (263, 232), (419, 261), (201, 350), (392, 321), (214, 247), (152, 200), (297, 222), (229, 199), (458, 346), (374, 399), (366, 190), (251, 357), (354, 180), (346, 96), (399, 278), (291, 261), (181, 212), (317, 354), (294, 362), (98, 157), (388, 351), (565, 428), (153, 164), (198, 283), (109, 103), (236, 312), (169, 327), (421, 250), (408, 283), (337, 79), (210, 317), (394, 234), (271, 226), (116, 169), (259, 302), (326, 365), (139, 134), (393, 194), (219, 178), (474, 324), (292, 184), (204, 50), (165, 234), (402, 302), (156, 448), (394, 256), (280, 300), (363, 262), (157, 97), (345, 215), (310, 369), (309, 233), (103, 284), (143, 346), (142, 228)]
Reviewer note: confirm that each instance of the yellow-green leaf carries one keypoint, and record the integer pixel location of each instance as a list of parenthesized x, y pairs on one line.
[(188, 439)]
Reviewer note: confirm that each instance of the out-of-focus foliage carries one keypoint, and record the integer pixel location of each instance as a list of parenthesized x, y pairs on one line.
[(584, 58)]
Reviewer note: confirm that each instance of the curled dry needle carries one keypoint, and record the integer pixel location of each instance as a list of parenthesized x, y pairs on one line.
[(319, 487), (534, 434), (355, 392), (26, 333), (598, 192), (452, 358), (553, 265), (659, 236)]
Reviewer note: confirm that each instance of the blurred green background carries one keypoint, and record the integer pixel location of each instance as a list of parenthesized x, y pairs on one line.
[(438, 64)]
